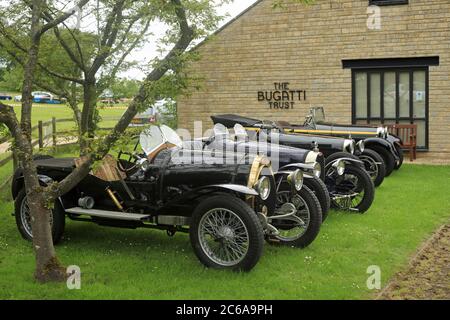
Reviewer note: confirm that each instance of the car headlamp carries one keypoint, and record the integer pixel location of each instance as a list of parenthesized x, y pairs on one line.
[(361, 146), (349, 146), (340, 167), (317, 170), (296, 179), (382, 132), (263, 187)]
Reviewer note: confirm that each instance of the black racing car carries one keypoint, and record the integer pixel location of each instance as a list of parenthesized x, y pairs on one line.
[(227, 208)]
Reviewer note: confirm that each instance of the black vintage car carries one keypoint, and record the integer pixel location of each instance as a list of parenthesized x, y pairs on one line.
[(378, 139), (282, 158), (349, 185), (227, 208)]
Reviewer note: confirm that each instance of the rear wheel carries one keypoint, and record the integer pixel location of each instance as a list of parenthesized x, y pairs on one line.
[(353, 191), (374, 165), (225, 233), (319, 189), (23, 218), (300, 229), (388, 158)]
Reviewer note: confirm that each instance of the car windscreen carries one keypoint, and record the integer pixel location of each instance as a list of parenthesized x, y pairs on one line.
[(151, 139)]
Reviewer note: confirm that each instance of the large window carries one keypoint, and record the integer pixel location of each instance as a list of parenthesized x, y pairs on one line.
[(392, 95)]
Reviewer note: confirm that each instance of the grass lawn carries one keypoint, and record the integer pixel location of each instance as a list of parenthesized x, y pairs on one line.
[(146, 264)]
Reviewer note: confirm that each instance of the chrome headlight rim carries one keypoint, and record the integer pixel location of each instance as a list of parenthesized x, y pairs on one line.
[(382, 132), (143, 164), (317, 170), (339, 165), (361, 146), (263, 187), (295, 178)]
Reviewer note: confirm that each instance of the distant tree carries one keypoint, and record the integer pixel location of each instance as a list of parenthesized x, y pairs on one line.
[(168, 113), (125, 88)]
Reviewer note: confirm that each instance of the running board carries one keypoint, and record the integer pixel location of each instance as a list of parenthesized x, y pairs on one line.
[(116, 215)]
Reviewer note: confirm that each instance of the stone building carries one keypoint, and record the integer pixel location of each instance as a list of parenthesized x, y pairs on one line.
[(364, 61)]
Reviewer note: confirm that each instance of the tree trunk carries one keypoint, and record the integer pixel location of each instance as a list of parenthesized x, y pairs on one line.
[(88, 125), (47, 265)]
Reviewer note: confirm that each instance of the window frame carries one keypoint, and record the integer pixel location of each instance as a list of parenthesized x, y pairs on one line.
[(387, 2), (381, 119)]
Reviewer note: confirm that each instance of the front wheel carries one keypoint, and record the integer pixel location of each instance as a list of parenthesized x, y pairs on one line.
[(225, 233), (374, 165), (23, 218), (353, 191), (300, 229)]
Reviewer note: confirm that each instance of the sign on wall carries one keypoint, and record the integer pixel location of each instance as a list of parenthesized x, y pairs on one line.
[(282, 97)]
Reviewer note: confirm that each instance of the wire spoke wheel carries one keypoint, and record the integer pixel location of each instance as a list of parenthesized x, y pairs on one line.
[(295, 226), (348, 191), (25, 217), (223, 237), (371, 166)]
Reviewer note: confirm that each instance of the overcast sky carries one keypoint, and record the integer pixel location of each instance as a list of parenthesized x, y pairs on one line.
[(149, 50)]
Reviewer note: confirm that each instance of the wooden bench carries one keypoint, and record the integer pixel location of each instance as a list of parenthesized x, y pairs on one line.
[(408, 134)]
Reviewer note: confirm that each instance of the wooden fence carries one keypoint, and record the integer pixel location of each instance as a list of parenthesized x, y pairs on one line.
[(42, 135)]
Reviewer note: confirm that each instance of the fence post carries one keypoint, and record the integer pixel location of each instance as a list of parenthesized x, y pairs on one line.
[(41, 135), (54, 131)]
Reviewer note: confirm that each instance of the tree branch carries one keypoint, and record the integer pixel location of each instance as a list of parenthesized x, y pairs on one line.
[(109, 38), (56, 21), (131, 47)]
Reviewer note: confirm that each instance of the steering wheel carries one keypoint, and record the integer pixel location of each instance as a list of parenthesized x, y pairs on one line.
[(132, 161)]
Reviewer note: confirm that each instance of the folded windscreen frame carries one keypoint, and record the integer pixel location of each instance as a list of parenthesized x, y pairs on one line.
[(229, 120)]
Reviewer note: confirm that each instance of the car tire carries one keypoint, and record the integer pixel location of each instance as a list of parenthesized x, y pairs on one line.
[(315, 221), (366, 183), (58, 215), (370, 157), (239, 212), (400, 155), (387, 156), (318, 187)]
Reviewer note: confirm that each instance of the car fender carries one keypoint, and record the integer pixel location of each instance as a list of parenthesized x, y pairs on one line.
[(384, 143), (18, 183), (293, 166), (231, 187), (347, 161)]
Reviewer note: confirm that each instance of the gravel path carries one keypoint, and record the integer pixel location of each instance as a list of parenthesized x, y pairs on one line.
[(428, 275)]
